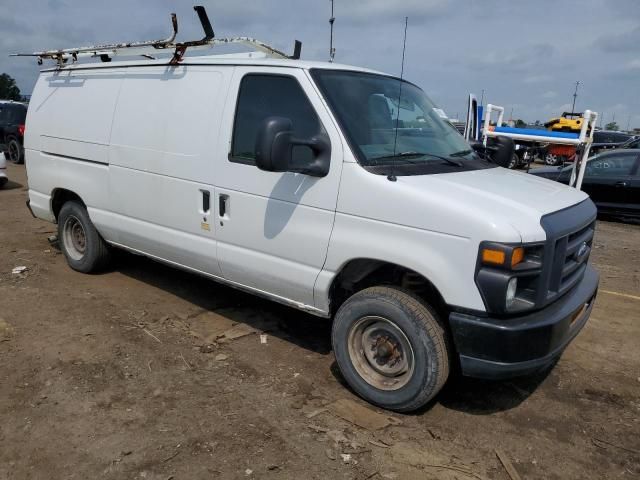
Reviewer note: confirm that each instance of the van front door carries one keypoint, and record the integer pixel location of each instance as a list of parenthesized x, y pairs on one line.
[(274, 228)]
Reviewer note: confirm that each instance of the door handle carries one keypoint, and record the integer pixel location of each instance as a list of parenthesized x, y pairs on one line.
[(206, 201), (223, 206), (621, 184)]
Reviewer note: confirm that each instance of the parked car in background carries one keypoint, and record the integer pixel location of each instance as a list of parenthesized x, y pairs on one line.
[(612, 180), (3, 171), (12, 121), (605, 140)]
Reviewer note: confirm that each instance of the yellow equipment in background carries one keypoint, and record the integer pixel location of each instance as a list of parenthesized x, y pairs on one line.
[(568, 122)]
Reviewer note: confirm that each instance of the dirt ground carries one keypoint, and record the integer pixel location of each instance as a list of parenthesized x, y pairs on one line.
[(145, 372)]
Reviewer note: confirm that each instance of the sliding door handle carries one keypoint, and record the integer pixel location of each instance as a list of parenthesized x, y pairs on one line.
[(223, 206), (206, 201)]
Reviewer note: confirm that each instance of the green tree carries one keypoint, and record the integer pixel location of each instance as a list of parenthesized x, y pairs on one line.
[(8, 88), (612, 126), (520, 123)]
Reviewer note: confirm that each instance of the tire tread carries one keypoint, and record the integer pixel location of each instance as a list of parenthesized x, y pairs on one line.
[(429, 319), (100, 254)]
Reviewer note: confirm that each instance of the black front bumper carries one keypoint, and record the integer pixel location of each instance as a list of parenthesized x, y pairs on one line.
[(501, 348)]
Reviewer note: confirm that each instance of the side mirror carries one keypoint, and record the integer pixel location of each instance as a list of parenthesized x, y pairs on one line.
[(499, 150), (274, 149)]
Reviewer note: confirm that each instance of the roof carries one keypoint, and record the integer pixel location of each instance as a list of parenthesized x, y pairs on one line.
[(253, 58)]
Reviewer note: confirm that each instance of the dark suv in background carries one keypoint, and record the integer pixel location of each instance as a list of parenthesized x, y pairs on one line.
[(606, 140), (12, 119)]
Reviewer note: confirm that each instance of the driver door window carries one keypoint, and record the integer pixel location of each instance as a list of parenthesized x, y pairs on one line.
[(263, 96)]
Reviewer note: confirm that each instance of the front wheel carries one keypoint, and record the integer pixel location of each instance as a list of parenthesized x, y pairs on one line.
[(82, 245), (391, 348)]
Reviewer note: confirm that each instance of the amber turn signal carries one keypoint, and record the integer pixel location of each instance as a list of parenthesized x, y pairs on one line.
[(517, 256), (493, 257)]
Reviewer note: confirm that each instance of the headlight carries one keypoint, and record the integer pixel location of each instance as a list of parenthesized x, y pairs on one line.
[(512, 286), (507, 276)]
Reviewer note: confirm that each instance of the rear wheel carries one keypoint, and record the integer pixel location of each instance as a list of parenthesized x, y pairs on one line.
[(82, 245), (513, 163), (15, 152), (391, 348), (553, 159), (3, 181)]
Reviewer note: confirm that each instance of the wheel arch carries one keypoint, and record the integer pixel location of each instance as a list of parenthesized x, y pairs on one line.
[(59, 196), (360, 273)]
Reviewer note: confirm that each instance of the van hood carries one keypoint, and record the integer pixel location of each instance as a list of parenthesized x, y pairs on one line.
[(522, 190), (500, 195)]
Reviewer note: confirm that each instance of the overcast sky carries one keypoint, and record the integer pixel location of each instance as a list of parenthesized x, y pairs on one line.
[(525, 54)]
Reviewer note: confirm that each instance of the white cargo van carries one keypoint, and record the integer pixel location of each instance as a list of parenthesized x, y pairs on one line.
[(333, 189)]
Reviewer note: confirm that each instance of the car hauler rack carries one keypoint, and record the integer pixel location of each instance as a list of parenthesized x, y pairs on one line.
[(582, 140), (149, 48)]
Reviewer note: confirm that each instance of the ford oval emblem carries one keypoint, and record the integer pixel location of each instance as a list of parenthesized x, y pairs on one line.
[(582, 251)]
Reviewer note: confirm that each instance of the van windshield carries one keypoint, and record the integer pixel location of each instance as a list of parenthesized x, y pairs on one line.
[(369, 107)]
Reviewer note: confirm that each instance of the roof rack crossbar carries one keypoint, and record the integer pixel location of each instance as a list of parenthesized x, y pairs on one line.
[(62, 56), (148, 48)]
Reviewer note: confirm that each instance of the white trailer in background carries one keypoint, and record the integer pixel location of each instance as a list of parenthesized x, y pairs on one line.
[(583, 140)]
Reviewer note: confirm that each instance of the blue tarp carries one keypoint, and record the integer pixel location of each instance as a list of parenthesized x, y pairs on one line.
[(537, 133)]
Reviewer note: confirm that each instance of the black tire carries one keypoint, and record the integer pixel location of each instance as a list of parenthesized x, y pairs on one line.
[(513, 163), (82, 245), (398, 316), (15, 151), (553, 160), (3, 181)]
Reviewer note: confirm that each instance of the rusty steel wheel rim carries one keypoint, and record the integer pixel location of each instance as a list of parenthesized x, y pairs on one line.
[(75, 238), (381, 353)]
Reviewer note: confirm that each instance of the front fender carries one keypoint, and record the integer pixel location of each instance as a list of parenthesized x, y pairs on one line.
[(447, 261)]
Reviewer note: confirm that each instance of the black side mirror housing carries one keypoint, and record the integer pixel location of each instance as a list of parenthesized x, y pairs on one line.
[(274, 148), (499, 150), (502, 149)]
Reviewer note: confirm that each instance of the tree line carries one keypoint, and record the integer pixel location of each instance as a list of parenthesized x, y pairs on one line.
[(8, 88)]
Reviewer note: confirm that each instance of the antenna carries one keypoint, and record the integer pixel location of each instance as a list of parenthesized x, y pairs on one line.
[(332, 51), (391, 176), (575, 95)]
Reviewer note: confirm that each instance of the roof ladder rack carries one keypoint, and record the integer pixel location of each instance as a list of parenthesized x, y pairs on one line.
[(148, 48)]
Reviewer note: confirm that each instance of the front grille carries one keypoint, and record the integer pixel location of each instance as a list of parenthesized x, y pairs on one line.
[(569, 241), (571, 255)]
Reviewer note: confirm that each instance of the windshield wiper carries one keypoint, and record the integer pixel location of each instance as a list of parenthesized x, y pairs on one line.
[(400, 155), (450, 161), (461, 153)]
